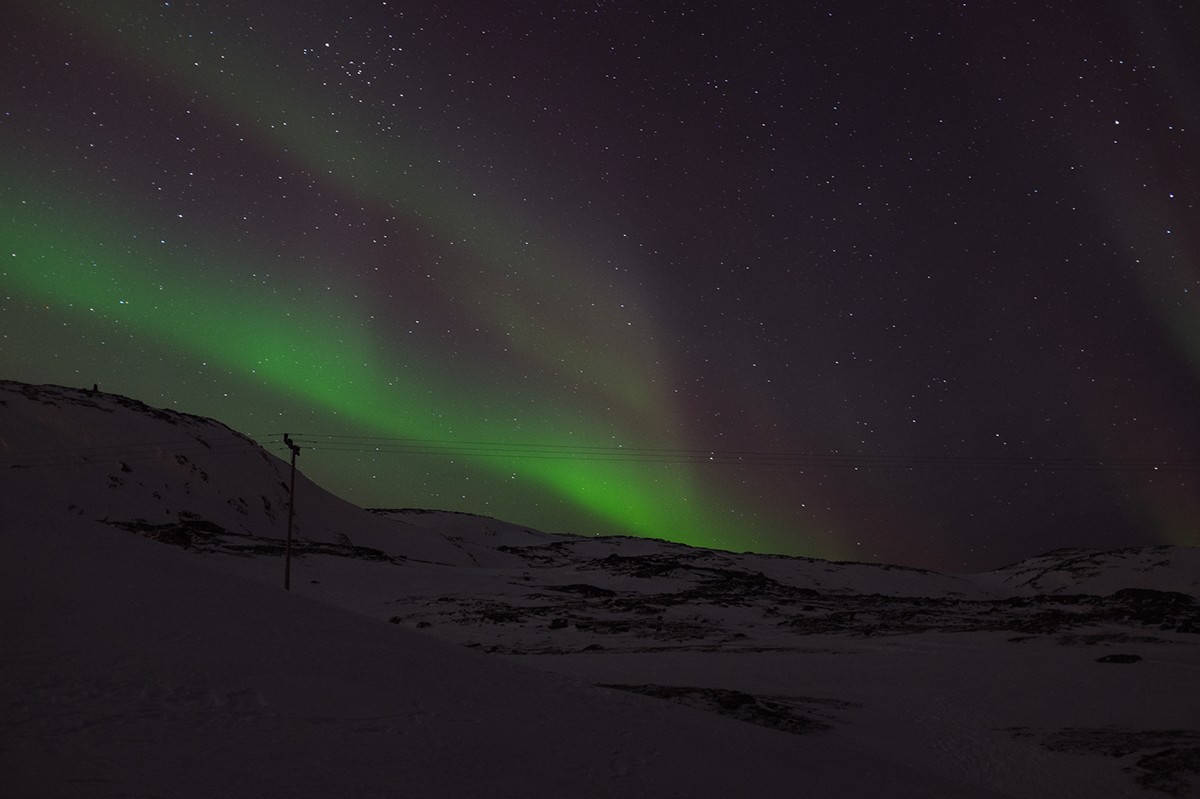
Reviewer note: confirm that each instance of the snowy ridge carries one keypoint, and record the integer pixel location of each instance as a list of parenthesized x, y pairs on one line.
[(168, 473), (1077, 571), (630, 665), (107, 457)]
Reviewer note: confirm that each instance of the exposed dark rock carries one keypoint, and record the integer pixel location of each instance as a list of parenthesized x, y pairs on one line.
[(1167, 760), (582, 588), (1148, 596), (1170, 770), (797, 715)]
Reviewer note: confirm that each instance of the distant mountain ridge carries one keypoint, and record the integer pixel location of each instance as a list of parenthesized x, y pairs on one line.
[(120, 460)]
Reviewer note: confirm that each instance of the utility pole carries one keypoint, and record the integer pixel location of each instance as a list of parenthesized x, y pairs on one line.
[(287, 550)]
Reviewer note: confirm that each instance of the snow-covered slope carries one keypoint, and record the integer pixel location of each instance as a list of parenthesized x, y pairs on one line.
[(147, 638), (1081, 571), (130, 669), (107, 457), (176, 476)]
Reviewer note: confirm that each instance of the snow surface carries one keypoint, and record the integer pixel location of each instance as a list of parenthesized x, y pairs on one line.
[(149, 649)]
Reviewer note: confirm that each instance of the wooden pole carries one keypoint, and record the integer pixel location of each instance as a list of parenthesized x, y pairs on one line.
[(287, 550)]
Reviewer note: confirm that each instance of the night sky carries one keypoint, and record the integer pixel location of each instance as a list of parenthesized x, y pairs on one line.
[(908, 282)]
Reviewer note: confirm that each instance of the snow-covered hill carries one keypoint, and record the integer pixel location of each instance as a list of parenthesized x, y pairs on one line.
[(147, 639), (1080, 571), (102, 456)]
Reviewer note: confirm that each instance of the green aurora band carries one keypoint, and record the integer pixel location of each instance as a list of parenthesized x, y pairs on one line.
[(294, 349), (308, 349), (348, 156)]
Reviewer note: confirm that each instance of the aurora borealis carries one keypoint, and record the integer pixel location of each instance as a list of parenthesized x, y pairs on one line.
[(919, 285)]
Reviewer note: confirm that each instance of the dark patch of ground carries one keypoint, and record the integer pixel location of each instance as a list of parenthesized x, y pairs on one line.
[(794, 714), (1167, 761)]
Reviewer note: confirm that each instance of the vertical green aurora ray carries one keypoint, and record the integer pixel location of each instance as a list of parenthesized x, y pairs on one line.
[(1165, 267), (1168, 276)]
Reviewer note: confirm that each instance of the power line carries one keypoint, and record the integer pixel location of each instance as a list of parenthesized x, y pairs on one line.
[(378, 445), (580, 452)]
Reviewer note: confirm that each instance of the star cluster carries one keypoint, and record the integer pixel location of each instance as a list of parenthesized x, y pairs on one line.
[(916, 284)]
